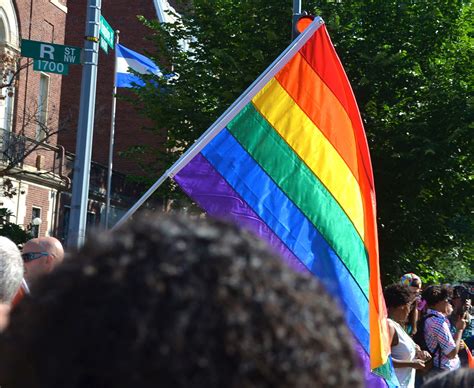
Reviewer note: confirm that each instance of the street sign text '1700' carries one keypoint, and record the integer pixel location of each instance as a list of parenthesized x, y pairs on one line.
[(50, 52), (50, 66)]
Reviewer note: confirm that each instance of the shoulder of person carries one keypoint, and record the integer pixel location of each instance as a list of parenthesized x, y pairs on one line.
[(434, 317)]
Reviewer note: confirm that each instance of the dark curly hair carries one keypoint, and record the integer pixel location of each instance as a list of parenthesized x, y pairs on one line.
[(172, 302), (397, 295), (437, 293)]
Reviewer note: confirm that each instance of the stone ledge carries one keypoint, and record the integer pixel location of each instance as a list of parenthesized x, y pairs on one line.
[(59, 5)]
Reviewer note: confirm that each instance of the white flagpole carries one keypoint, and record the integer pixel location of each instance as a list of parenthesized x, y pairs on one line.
[(112, 136), (227, 116)]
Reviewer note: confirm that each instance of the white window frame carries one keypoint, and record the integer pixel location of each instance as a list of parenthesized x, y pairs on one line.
[(43, 103)]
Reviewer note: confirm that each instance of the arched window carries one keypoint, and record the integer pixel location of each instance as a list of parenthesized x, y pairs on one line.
[(3, 31), (9, 47), (9, 28)]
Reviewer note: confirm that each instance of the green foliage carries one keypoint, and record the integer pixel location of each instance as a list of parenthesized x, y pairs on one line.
[(11, 230), (224, 59), (410, 64), (443, 267)]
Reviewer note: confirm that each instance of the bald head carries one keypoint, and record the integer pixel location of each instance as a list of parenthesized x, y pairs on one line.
[(46, 254)]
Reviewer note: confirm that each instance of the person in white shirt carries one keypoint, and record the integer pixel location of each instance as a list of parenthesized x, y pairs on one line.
[(406, 355)]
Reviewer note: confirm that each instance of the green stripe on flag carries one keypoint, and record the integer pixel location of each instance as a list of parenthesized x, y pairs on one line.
[(301, 186)]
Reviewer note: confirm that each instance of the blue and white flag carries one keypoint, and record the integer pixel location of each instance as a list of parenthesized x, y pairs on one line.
[(128, 59)]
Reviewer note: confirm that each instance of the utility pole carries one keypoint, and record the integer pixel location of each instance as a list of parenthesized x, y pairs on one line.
[(85, 127)]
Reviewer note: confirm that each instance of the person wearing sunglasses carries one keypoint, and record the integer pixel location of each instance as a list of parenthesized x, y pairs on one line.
[(413, 282), (40, 256), (462, 308)]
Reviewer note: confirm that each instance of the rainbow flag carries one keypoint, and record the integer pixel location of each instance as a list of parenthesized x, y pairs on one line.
[(289, 160)]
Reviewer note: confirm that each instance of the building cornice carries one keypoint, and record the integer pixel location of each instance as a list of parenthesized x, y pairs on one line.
[(59, 5), (31, 175)]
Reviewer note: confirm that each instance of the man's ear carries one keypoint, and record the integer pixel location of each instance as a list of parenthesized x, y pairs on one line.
[(49, 263)]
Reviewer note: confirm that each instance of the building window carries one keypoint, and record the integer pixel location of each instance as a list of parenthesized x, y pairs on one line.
[(35, 224), (7, 67), (8, 98), (3, 31), (42, 113)]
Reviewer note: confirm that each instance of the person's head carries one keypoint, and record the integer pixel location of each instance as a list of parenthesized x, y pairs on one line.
[(11, 270), (173, 302), (459, 378), (41, 255), (398, 299), (439, 298), (412, 281), (461, 298)]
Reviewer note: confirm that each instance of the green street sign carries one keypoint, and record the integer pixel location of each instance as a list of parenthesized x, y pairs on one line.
[(103, 45), (50, 52), (106, 32), (50, 66)]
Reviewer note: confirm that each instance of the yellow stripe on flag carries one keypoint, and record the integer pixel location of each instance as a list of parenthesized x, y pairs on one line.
[(295, 127)]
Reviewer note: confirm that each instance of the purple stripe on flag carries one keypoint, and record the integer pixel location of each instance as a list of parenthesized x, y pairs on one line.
[(371, 380), (209, 189)]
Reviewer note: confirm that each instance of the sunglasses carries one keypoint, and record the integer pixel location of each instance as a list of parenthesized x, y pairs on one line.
[(30, 256)]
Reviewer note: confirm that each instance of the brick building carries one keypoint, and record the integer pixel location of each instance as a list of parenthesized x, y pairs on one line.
[(129, 124), (39, 112), (31, 162)]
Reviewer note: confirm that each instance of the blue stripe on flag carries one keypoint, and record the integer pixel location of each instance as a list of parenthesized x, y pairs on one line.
[(127, 80), (286, 220)]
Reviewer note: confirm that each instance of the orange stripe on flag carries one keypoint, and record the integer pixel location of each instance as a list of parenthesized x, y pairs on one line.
[(322, 107)]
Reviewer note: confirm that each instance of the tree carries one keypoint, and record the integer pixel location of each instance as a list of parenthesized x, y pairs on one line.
[(11, 230), (221, 36), (410, 65)]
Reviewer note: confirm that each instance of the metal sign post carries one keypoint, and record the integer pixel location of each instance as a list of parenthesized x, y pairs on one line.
[(85, 127)]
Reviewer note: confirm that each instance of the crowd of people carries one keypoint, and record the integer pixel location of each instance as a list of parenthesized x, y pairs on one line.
[(431, 331), (176, 302)]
